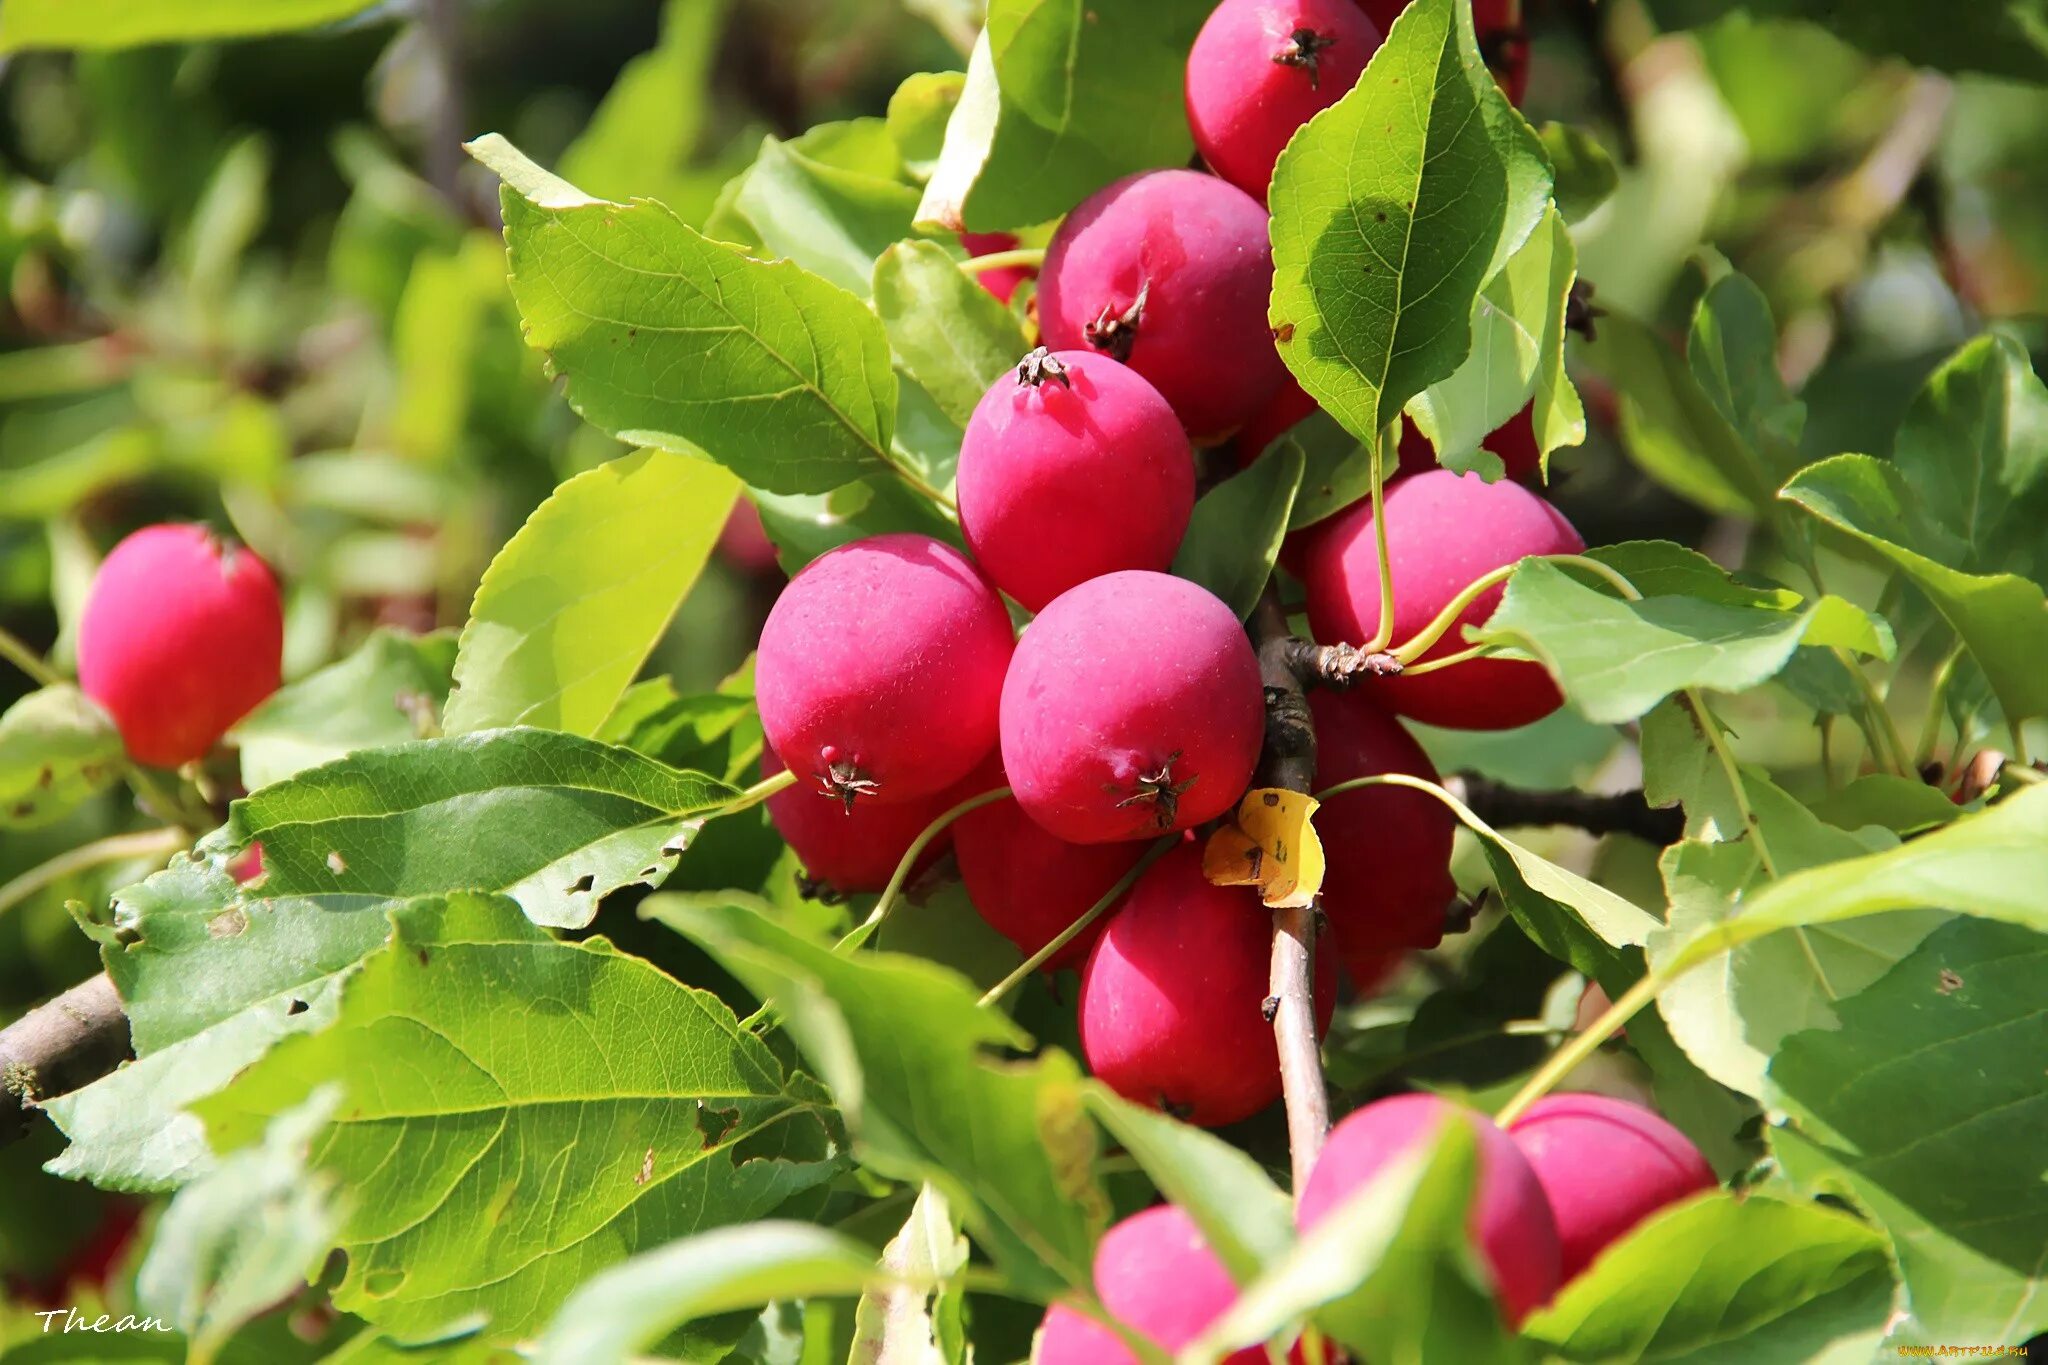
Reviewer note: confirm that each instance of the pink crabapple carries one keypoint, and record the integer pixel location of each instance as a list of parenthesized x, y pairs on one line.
[(1510, 1220), (1004, 280), (182, 635), (1172, 998), (1072, 469), (1133, 708), (1154, 1273), (856, 848), (1605, 1165), (1260, 69), (1169, 272), (881, 667), (1444, 531), (1029, 885), (1387, 849)]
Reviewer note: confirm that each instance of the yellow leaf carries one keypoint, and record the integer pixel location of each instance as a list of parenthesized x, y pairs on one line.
[(1272, 846)]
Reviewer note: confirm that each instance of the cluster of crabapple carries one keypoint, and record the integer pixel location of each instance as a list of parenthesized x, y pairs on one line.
[(890, 680), (182, 635), (1550, 1193)]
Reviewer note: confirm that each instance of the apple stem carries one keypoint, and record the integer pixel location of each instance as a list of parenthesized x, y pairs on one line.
[(865, 930)]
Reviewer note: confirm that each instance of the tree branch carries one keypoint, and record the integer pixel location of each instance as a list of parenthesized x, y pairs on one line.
[(58, 1047), (1290, 762), (1596, 813)]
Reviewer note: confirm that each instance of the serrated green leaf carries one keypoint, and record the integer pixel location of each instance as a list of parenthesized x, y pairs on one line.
[(832, 221), (915, 1319), (2002, 618), (1993, 864), (1728, 1279), (26, 24), (1732, 351), (389, 691), (948, 333), (623, 1313), (1061, 98), (1517, 354), (554, 821), (239, 1240), (573, 604), (1615, 659), (918, 114), (773, 372), (1973, 449), (1234, 536), (905, 1050), (1670, 428), (1584, 173), (1389, 1272), (1926, 1108), (57, 750), (1247, 1221), (804, 526), (1387, 209), (1903, 805), (1731, 1014), (575, 1101)]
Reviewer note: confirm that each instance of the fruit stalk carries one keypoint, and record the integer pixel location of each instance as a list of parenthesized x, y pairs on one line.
[(1290, 762)]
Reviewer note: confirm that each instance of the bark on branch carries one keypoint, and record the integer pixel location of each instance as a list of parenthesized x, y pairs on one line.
[(1290, 762), (1596, 813), (55, 1048)]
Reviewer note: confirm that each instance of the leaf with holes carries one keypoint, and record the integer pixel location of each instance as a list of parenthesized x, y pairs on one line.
[(552, 820), (576, 1102)]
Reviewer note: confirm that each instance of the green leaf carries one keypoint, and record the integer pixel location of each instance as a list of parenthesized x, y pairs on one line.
[(1971, 448), (1248, 1222), (1235, 533), (1584, 173), (948, 333), (1387, 209), (804, 526), (576, 1102), (1926, 1107), (652, 119), (573, 604), (210, 981), (1993, 864), (916, 1318), (674, 341), (389, 691), (1733, 353), (1517, 352), (1614, 659), (918, 114), (906, 1051), (622, 1314), (239, 1240), (832, 221), (2002, 618), (1903, 805), (1062, 98), (57, 750), (1727, 1278), (554, 821), (1389, 1272), (26, 24), (1337, 469), (1731, 1014), (1670, 428)]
